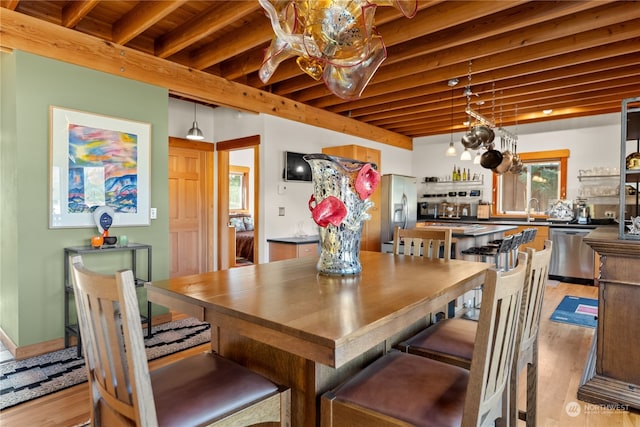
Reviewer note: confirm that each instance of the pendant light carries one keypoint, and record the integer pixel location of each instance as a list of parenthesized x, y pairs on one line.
[(466, 155), (195, 132), (451, 150)]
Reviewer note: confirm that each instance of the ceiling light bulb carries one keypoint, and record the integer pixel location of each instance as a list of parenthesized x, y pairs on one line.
[(451, 151), (547, 112), (476, 159)]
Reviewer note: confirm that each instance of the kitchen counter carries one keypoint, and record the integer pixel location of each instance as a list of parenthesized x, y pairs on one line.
[(295, 240), (293, 247), (516, 222), (469, 230), (465, 235)]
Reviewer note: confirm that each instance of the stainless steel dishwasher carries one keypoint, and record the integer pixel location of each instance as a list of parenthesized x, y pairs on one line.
[(572, 260)]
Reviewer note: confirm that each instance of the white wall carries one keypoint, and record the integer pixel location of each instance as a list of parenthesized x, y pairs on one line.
[(284, 135), (591, 141), (277, 136)]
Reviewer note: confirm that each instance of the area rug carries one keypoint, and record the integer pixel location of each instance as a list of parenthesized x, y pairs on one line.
[(577, 311), (24, 380)]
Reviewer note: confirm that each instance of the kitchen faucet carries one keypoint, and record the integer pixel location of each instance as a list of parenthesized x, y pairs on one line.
[(529, 207)]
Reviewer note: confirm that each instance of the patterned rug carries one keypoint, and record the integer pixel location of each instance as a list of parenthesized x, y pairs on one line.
[(24, 380), (577, 311)]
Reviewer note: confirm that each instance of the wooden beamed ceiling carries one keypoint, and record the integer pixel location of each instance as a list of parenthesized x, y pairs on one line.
[(577, 58)]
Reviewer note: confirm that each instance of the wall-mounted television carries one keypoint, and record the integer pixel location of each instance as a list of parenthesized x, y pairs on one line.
[(295, 167)]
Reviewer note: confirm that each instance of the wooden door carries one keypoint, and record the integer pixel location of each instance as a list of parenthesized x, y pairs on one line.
[(190, 213)]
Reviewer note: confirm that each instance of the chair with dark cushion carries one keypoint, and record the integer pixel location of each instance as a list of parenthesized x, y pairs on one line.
[(452, 340), (403, 389), (204, 389)]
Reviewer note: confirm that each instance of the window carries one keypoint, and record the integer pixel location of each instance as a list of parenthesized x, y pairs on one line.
[(238, 189), (543, 177)]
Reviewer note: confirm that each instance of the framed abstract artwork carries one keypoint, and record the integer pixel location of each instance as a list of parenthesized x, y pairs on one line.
[(96, 161)]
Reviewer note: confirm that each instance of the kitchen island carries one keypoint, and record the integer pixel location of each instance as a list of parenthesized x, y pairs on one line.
[(465, 235)]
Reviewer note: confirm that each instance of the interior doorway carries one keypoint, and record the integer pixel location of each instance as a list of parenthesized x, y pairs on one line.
[(227, 236)]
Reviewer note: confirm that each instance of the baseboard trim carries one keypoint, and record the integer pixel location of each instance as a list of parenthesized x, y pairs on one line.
[(32, 350)]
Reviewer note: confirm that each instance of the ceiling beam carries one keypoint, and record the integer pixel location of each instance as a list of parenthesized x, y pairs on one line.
[(215, 18), (52, 41), (74, 11), (142, 17), (495, 55)]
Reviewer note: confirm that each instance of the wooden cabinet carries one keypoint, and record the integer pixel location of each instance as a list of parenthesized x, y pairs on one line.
[(612, 375), (288, 248), (541, 235), (371, 228)]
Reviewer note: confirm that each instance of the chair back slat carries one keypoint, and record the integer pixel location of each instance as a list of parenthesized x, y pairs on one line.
[(533, 293), (115, 356), (495, 344), (422, 242)]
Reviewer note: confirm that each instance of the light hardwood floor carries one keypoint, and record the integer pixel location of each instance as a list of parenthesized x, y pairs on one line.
[(563, 352)]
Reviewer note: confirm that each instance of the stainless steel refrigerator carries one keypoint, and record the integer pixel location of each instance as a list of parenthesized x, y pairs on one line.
[(399, 204)]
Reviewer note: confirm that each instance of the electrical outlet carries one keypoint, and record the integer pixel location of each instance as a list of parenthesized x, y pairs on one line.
[(153, 213), (281, 211), (610, 214)]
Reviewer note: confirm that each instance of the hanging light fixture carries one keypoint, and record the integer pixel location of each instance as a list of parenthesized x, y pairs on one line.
[(466, 155), (335, 41), (451, 150), (195, 132)]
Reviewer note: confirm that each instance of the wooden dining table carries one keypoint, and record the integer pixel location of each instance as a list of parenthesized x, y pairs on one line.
[(310, 331)]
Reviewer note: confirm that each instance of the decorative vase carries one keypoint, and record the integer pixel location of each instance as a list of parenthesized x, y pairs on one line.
[(339, 204)]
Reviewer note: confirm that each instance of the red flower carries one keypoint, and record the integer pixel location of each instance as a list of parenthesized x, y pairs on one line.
[(367, 181), (329, 211)]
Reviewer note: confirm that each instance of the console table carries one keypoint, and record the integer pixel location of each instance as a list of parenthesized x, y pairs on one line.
[(71, 327)]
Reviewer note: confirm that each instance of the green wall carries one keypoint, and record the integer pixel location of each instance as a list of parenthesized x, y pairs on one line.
[(31, 254)]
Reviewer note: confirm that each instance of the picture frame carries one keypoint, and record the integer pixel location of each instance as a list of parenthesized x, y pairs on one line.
[(97, 160)]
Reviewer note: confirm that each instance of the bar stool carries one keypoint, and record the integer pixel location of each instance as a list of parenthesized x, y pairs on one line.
[(491, 252), (512, 257)]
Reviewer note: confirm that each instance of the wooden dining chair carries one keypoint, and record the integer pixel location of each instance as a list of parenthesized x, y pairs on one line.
[(452, 340), (427, 242), (420, 241), (403, 389), (197, 390)]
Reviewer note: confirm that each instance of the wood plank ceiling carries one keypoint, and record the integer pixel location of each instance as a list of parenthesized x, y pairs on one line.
[(577, 58)]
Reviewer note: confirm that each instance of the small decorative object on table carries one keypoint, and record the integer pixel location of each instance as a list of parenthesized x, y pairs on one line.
[(339, 204), (634, 228), (97, 241), (103, 216)]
